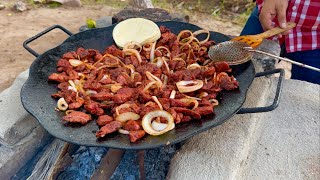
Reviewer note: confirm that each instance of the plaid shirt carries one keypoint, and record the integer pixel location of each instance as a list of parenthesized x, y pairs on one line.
[(306, 35)]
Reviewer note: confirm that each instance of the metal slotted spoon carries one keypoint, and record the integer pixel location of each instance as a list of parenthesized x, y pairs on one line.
[(235, 52)]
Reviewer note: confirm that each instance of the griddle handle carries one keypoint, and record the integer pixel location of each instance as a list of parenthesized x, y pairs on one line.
[(277, 95), (25, 43)]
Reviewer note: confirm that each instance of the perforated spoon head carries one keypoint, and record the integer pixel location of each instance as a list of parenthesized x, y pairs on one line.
[(232, 52)]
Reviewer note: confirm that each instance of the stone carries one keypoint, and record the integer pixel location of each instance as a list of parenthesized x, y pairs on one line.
[(20, 6), (281, 144), (153, 14), (12, 159), (71, 3), (15, 120), (2, 6), (264, 62)]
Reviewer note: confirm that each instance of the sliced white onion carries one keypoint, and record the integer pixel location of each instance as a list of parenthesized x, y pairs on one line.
[(173, 94), (189, 86), (196, 33), (147, 120), (189, 101), (120, 107), (62, 104), (104, 77), (132, 45), (193, 66), (115, 88), (152, 77), (162, 47), (135, 52), (214, 102), (166, 64), (148, 86), (91, 92), (153, 47), (73, 86), (158, 126), (157, 101), (122, 131), (203, 94), (75, 62), (124, 117)]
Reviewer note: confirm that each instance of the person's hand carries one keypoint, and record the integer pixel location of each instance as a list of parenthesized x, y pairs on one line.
[(271, 9)]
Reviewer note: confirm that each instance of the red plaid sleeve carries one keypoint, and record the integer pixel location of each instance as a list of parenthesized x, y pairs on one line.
[(306, 35)]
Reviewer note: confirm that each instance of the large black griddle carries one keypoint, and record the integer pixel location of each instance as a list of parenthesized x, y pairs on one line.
[(35, 93)]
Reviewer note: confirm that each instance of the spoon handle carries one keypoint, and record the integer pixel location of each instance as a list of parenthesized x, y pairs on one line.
[(285, 59), (277, 30)]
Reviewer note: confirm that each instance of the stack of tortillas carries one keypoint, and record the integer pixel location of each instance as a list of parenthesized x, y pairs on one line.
[(137, 30)]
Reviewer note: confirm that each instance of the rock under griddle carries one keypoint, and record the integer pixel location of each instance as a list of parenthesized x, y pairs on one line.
[(153, 14)]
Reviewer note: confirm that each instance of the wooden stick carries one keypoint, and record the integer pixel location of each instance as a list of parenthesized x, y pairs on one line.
[(108, 164)]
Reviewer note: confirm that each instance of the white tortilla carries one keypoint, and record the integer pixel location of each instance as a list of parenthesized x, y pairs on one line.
[(135, 30)]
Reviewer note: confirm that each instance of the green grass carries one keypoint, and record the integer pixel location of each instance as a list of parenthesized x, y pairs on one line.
[(112, 3)]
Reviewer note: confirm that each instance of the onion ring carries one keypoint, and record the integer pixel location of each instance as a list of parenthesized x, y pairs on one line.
[(135, 52), (184, 86), (196, 33), (62, 104), (147, 120), (75, 62), (124, 117)]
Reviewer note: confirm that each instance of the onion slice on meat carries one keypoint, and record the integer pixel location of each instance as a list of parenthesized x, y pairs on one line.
[(196, 33), (62, 104), (124, 117), (147, 121), (75, 62), (189, 86), (214, 102), (122, 106), (193, 66), (157, 101), (173, 94), (135, 52), (190, 101), (148, 86), (122, 131), (158, 126), (133, 45)]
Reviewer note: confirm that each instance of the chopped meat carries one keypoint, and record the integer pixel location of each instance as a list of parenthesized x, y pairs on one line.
[(104, 119), (77, 117), (108, 128), (135, 135), (64, 63), (131, 125), (187, 112), (70, 55), (58, 77), (72, 74), (204, 110), (228, 83), (93, 108), (222, 67), (102, 96), (82, 53), (76, 105), (123, 95)]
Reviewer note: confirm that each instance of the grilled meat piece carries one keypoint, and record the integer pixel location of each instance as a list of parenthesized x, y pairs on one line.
[(77, 117), (108, 128)]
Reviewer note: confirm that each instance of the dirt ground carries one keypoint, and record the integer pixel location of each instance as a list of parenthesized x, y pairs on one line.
[(15, 28)]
